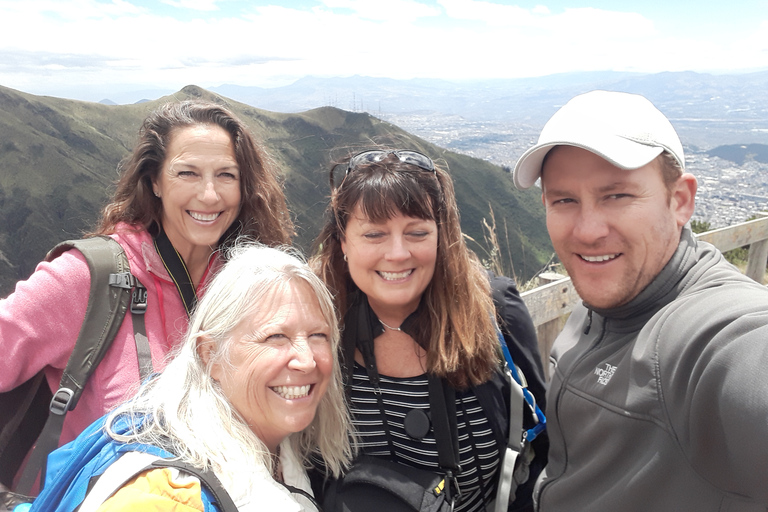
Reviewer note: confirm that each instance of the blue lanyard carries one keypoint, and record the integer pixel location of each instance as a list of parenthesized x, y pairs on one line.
[(541, 424)]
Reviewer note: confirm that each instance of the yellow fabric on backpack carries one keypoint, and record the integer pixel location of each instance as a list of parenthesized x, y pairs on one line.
[(157, 490)]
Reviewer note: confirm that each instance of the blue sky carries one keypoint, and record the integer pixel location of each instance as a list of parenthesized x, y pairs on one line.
[(61, 47)]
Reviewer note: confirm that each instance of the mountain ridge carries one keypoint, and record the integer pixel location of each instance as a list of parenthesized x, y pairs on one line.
[(703, 107), (59, 157)]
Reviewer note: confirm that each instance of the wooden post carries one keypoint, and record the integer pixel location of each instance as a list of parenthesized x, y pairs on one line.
[(757, 258), (756, 261), (547, 333), (549, 308)]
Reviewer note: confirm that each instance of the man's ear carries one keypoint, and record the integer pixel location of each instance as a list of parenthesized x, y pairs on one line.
[(684, 198), (205, 347)]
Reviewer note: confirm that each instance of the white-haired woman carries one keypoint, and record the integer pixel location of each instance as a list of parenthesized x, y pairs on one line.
[(251, 393)]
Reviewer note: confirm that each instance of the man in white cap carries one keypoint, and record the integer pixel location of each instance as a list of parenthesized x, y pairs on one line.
[(659, 392)]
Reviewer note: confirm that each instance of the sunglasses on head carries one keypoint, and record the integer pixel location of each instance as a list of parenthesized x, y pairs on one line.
[(406, 156)]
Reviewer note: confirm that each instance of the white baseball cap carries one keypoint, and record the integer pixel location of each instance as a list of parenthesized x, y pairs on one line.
[(625, 129)]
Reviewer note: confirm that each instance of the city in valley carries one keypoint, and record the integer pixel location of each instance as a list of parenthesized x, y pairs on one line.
[(728, 193)]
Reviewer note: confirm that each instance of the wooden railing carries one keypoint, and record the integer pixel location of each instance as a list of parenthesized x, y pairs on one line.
[(551, 303)]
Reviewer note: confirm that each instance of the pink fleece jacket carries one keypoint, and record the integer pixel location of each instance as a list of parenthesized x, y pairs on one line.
[(40, 321)]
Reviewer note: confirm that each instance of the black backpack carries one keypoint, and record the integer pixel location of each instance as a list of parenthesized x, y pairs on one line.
[(32, 415)]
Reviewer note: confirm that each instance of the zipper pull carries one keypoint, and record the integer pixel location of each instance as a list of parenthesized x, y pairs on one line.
[(589, 322)]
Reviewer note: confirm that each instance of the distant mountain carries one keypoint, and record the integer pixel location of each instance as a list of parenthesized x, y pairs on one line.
[(708, 110), (740, 153), (58, 161)]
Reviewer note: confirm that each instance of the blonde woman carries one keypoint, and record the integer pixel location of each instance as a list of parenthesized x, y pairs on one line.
[(252, 392)]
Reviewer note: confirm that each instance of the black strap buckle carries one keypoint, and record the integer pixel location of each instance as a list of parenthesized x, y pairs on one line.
[(122, 280), (61, 400), (452, 487), (127, 280), (522, 467), (139, 299)]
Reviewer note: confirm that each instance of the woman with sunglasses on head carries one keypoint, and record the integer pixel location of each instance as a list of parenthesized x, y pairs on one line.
[(416, 304)]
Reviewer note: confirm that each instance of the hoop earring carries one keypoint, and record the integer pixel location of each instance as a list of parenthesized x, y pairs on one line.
[(345, 258)]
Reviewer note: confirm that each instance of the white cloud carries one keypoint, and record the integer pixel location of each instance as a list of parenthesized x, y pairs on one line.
[(393, 10), (195, 5), (488, 12), (63, 11), (48, 42), (600, 24)]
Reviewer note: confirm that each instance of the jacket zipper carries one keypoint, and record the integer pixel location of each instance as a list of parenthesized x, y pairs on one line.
[(566, 378)]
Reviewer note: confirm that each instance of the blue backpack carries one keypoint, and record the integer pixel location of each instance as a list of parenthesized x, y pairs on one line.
[(72, 468)]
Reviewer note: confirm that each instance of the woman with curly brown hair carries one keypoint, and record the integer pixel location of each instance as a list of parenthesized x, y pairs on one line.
[(195, 179)]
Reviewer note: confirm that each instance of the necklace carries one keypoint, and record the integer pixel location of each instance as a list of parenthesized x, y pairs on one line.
[(389, 327), (277, 473)]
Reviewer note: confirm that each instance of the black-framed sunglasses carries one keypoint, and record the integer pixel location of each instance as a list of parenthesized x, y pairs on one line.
[(406, 156)]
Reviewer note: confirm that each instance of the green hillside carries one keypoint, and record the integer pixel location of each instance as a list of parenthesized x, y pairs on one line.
[(58, 161)]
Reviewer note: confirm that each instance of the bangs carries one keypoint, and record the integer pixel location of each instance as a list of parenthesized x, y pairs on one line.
[(383, 194)]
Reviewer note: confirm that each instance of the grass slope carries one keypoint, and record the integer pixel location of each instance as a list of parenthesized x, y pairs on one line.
[(58, 161)]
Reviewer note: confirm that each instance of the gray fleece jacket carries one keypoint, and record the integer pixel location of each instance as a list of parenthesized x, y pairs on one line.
[(662, 404)]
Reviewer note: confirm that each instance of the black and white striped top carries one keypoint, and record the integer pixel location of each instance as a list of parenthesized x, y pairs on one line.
[(477, 448)]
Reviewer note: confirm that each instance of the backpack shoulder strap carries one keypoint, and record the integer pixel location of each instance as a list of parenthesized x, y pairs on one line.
[(132, 464), (442, 404), (517, 455), (108, 300), (113, 291), (209, 480), (117, 474), (517, 446)]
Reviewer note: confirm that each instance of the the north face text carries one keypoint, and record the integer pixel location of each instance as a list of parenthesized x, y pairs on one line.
[(604, 374)]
